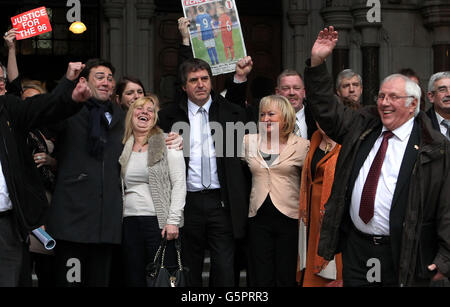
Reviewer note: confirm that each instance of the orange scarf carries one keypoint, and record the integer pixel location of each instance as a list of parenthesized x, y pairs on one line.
[(329, 161)]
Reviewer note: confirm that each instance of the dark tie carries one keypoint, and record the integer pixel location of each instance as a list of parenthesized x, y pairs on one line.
[(366, 207), (206, 167), (446, 123)]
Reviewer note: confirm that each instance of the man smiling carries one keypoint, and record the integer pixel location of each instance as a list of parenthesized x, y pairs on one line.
[(86, 212), (216, 202), (390, 203)]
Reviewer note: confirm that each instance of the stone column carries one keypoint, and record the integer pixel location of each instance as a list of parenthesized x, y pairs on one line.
[(113, 10), (370, 48), (340, 17), (145, 10), (298, 19), (436, 16)]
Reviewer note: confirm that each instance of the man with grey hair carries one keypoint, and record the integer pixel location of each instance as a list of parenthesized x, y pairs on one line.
[(349, 88), (439, 96), (389, 212)]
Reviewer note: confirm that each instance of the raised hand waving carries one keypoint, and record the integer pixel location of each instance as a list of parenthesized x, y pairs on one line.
[(324, 45)]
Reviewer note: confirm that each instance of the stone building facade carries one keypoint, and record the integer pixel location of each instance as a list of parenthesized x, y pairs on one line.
[(141, 38)]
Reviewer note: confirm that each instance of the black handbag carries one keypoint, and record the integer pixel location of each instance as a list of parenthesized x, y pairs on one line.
[(159, 275)]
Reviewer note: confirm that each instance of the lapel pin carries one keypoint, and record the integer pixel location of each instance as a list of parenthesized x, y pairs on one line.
[(416, 147)]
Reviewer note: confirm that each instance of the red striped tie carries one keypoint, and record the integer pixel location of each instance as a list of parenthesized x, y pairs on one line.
[(366, 207)]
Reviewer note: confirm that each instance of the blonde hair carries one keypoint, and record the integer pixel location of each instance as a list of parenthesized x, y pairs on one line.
[(150, 98), (286, 109)]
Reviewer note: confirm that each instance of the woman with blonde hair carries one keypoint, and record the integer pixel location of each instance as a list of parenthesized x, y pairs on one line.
[(154, 190), (275, 157)]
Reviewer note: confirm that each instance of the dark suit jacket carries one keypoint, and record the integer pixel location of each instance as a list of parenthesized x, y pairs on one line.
[(232, 174), (17, 118), (400, 197), (434, 122), (87, 201)]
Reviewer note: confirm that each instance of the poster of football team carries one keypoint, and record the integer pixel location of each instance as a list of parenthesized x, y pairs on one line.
[(216, 34)]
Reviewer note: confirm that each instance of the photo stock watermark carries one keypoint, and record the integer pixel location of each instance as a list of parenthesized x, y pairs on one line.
[(374, 13)]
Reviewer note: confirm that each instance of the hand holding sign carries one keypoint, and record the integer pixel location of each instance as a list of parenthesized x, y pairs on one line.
[(10, 38), (31, 23)]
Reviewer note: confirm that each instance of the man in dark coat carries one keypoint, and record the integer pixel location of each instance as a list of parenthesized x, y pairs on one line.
[(390, 218), (439, 96), (216, 211), (86, 212), (23, 203)]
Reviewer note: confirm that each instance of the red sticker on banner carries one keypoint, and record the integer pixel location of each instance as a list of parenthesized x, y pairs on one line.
[(31, 23)]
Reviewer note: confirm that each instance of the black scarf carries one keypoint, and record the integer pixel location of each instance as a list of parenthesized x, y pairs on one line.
[(98, 126)]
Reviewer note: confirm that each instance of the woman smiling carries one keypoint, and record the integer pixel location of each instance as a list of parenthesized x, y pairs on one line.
[(154, 190), (275, 157)]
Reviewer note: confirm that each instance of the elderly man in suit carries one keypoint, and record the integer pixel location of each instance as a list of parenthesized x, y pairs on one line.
[(389, 212)]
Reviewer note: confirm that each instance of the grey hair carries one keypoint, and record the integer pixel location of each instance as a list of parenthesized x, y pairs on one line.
[(436, 77), (347, 74), (411, 89)]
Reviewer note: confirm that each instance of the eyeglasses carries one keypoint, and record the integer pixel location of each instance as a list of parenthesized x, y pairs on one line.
[(443, 89), (2, 80), (391, 97)]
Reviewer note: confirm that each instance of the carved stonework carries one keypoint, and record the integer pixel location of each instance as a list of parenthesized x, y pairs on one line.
[(436, 13), (340, 17), (359, 12), (298, 17), (113, 8), (145, 9)]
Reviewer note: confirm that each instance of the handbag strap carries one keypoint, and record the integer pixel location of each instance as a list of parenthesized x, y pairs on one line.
[(178, 249), (161, 251)]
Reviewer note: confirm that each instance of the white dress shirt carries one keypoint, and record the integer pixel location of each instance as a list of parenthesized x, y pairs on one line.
[(379, 224), (194, 177), (301, 123), (441, 126), (5, 201)]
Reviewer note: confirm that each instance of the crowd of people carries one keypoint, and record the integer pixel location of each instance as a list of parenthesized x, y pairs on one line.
[(330, 191)]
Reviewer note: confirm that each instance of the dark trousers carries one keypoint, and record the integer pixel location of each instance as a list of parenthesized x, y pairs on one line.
[(44, 267), (207, 225), (140, 241), (13, 253), (83, 264), (273, 248), (365, 262)]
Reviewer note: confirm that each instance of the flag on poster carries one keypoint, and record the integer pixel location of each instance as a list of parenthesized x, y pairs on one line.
[(215, 32), (31, 23)]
